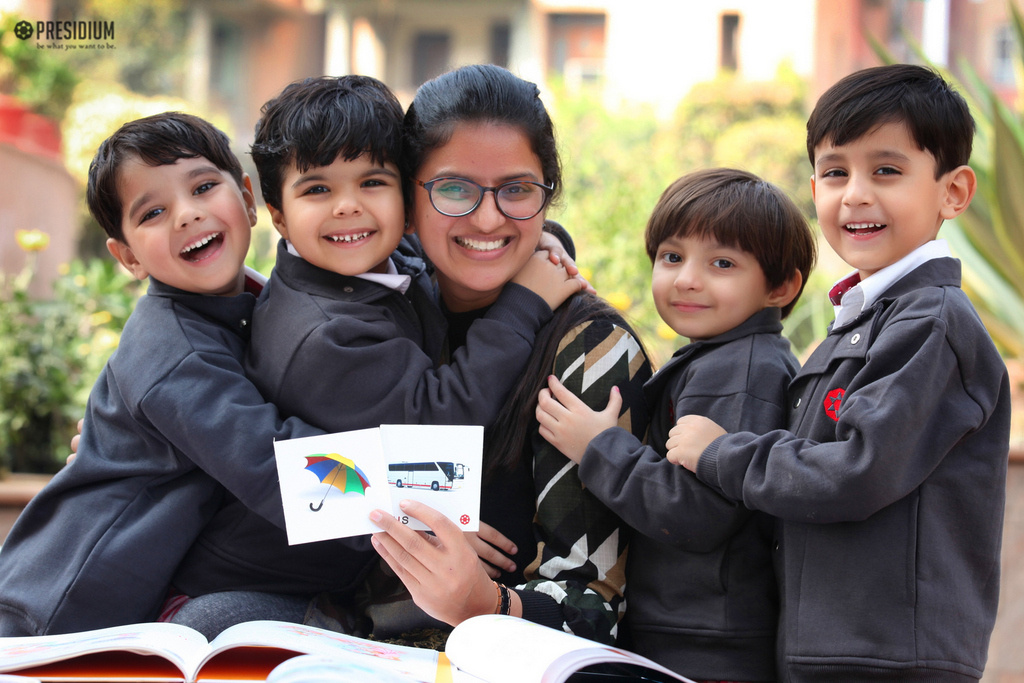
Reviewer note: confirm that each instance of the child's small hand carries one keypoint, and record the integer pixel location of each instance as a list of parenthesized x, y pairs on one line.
[(558, 255), (688, 439), (492, 547), (568, 423), (547, 280)]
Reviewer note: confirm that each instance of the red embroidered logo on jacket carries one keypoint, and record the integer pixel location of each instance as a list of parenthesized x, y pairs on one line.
[(832, 401)]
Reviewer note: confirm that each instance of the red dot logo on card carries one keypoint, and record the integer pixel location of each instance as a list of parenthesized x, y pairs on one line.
[(832, 402), (464, 519)]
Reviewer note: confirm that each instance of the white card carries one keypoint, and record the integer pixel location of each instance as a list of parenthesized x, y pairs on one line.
[(330, 484), (437, 465)]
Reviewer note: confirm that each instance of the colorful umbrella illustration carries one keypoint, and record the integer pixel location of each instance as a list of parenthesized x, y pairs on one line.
[(341, 471)]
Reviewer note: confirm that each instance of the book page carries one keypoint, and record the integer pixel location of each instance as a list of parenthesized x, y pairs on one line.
[(413, 663), (180, 645), (437, 465), (501, 649), (330, 484), (338, 667)]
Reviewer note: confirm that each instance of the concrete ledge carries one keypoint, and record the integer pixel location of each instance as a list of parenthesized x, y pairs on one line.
[(16, 490)]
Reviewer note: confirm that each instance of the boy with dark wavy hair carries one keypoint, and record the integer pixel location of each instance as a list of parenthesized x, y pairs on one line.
[(172, 415)]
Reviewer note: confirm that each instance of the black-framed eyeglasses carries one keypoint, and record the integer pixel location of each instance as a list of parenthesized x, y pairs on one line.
[(516, 199)]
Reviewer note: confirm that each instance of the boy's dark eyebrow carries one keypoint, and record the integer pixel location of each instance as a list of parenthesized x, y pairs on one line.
[(198, 171), (376, 170), (881, 155)]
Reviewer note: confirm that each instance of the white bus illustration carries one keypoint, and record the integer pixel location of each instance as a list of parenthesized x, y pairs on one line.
[(422, 475)]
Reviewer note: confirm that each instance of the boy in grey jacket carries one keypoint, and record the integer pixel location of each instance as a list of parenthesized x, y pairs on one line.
[(889, 484), (172, 416), (730, 254)]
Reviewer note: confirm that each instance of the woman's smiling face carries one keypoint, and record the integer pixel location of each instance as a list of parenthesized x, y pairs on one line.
[(475, 255)]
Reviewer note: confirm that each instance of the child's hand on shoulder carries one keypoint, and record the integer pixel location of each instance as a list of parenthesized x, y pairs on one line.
[(547, 280), (557, 254), (688, 439), (568, 423)]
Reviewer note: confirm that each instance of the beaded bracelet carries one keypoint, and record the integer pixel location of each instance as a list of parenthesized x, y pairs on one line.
[(497, 595), (505, 604)]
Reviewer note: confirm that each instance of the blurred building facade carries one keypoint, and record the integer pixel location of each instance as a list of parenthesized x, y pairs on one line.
[(648, 52)]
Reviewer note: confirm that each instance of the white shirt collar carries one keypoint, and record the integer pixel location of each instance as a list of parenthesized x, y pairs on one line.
[(862, 295), (391, 279)]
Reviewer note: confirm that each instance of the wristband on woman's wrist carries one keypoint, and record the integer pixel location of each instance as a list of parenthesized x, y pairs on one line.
[(504, 599)]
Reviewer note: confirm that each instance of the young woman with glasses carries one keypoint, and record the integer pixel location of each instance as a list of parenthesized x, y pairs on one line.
[(481, 168)]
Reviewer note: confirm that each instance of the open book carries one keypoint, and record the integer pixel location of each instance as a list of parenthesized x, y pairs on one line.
[(487, 649)]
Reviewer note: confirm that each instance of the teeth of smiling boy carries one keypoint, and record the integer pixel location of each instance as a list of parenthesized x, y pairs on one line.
[(348, 238), (864, 226), (200, 242), (480, 245)]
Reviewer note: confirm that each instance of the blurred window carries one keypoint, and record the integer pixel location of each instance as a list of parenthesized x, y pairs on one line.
[(576, 47), (729, 59), (1005, 54), (430, 56)]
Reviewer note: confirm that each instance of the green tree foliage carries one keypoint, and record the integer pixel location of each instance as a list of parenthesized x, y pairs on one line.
[(149, 40), (39, 79), (50, 355)]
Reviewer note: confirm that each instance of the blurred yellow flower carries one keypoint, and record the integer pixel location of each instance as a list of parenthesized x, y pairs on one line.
[(79, 281), (32, 240), (620, 300), (587, 273), (100, 318), (666, 332), (84, 349), (106, 339), (63, 269)]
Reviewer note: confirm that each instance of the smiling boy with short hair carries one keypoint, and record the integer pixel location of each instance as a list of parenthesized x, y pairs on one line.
[(172, 416), (889, 485)]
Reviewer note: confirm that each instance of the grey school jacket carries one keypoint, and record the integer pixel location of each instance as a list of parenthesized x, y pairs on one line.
[(889, 487), (171, 415), (344, 353), (700, 585)]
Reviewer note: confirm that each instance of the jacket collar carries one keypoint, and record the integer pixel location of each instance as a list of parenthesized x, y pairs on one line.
[(766, 321), (231, 312), (301, 275), (939, 272)]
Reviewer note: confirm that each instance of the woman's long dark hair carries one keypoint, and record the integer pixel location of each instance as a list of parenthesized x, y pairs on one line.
[(505, 441)]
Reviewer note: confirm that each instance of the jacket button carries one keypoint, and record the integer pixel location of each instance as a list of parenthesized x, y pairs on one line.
[(349, 290), (776, 546), (855, 338), (796, 403), (243, 323)]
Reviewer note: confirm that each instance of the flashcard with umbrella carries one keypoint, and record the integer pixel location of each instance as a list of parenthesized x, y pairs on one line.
[(331, 483)]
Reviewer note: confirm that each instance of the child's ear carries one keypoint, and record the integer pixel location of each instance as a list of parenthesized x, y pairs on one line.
[(960, 186), (812, 187), (126, 257), (249, 198), (782, 295), (277, 216)]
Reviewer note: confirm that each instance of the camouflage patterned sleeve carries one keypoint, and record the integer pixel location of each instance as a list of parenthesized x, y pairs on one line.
[(581, 557)]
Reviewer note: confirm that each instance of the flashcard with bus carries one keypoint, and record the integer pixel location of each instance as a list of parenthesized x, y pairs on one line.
[(331, 483), (437, 465)]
